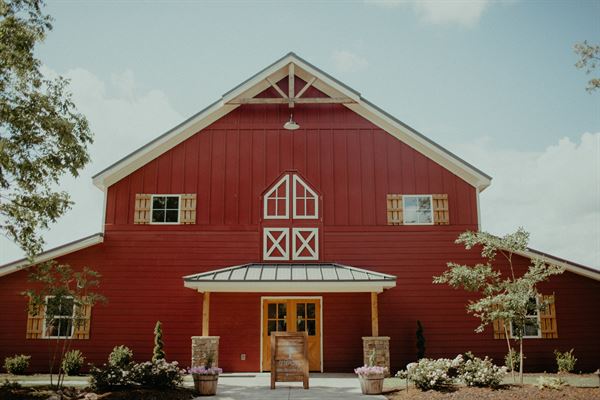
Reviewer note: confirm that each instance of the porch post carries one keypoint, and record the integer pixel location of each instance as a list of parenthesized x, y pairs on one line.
[(205, 313), (374, 315)]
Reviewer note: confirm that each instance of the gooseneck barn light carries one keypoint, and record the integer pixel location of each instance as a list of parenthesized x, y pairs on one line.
[(291, 125)]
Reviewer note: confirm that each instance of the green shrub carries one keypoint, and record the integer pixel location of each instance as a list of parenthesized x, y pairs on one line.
[(550, 382), (157, 374), (109, 377), (120, 357), (72, 362), (158, 353), (516, 358), (565, 361), (420, 341), (17, 365)]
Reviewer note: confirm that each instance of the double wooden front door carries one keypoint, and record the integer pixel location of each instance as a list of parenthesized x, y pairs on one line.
[(292, 315)]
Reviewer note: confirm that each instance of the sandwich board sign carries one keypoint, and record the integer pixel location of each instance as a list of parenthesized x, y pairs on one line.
[(289, 357)]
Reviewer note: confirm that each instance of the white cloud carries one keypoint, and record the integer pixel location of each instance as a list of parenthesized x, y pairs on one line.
[(554, 194), (345, 61), (461, 12), (122, 120)]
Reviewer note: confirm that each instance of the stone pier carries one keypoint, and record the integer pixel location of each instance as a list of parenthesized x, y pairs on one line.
[(201, 347)]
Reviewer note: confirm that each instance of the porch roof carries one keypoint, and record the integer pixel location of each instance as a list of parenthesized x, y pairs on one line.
[(304, 277)]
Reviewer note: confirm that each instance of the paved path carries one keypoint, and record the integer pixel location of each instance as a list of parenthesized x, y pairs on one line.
[(257, 386)]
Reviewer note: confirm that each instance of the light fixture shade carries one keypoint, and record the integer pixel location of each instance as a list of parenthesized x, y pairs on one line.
[(291, 125)]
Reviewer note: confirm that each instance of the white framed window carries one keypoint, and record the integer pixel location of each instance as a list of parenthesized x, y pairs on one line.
[(276, 244), (532, 327), (417, 209), (305, 200), (305, 243), (165, 209), (276, 200), (58, 323)]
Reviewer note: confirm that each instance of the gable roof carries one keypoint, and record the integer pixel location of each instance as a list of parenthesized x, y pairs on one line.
[(321, 81)]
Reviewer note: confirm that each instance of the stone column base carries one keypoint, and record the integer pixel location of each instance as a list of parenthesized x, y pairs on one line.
[(381, 346), (201, 347)]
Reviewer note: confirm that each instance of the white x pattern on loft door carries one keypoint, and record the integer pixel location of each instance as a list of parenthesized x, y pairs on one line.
[(276, 244), (305, 239)]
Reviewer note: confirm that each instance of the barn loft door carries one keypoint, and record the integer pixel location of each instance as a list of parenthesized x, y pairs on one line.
[(292, 315)]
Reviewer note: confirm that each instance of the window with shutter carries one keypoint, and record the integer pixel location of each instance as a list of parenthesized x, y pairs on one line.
[(548, 326), (64, 322), (35, 322), (410, 209)]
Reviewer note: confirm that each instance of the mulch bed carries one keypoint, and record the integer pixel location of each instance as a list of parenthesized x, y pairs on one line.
[(527, 392), (35, 393)]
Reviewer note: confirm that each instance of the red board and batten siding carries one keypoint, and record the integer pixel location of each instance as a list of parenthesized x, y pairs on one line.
[(354, 165)]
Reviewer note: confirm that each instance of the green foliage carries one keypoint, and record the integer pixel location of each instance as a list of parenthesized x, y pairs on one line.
[(589, 58), (550, 382), (17, 365), (516, 360), (158, 353), (72, 362), (120, 356), (10, 385), (42, 136), (565, 361), (420, 341)]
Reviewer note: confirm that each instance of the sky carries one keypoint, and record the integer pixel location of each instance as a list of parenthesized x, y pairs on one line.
[(492, 81)]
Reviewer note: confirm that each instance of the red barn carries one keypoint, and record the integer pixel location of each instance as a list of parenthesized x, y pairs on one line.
[(291, 204)]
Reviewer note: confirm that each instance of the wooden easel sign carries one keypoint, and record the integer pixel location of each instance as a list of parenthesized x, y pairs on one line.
[(289, 357)]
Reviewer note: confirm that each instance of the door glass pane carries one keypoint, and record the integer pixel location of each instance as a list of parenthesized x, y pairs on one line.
[(272, 311), (281, 325), (311, 327), (282, 312), (300, 310), (301, 325), (272, 326), (310, 310)]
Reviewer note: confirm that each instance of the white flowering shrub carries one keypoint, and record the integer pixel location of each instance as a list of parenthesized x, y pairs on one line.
[(430, 374), (157, 374), (474, 371), (109, 377), (550, 382)]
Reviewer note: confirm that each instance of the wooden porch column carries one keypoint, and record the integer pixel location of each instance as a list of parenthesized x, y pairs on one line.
[(205, 313), (374, 315)]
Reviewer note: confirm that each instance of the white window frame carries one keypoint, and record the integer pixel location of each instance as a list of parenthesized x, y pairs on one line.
[(313, 197), (284, 180), (284, 235), (178, 209), (72, 318), (538, 320), (305, 244), (405, 197)]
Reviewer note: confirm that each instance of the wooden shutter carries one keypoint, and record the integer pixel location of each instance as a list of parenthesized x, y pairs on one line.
[(394, 209), (82, 327), (142, 208), (187, 209), (499, 332), (35, 323), (548, 318), (441, 213)]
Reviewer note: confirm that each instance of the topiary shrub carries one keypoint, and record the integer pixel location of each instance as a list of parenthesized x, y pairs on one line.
[(158, 353), (420, 341), (478, 372), (565, 361), (158, 374), (72, 362), (120, 356), (17, 365)]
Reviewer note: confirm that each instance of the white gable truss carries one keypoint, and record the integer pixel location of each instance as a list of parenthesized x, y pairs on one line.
[(289, 66)]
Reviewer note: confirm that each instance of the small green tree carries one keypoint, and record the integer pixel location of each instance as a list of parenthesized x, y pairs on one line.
[(60, 291), (589, 59), (158, 353), (503, 295), (420, 341)]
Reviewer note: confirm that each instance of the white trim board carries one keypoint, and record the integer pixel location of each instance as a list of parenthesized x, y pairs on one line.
[(326, 84)]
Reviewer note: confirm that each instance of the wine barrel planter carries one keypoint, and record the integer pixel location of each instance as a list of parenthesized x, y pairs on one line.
[(371, 384), (206, 385)]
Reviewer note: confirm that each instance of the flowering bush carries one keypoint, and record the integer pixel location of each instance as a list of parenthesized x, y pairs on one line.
[(17, 365), (430, 374), (481, 373), (370, 370), (72, 362), (205, 371), (157, 374), (120, 356), (109, 377)]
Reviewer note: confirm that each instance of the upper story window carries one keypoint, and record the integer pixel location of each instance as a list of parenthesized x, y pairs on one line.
[(305, 201), (417, 209), (58, 320), (531, 328), (276, 200), (165, 209)]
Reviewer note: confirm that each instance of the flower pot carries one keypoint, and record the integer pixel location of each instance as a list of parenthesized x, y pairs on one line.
[(371, 384), (206, 385)]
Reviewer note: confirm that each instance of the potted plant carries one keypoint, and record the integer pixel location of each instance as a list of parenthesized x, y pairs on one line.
[(206, 377), (371, 376)]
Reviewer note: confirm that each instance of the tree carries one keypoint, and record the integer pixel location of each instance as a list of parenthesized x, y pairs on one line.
[(42, 136), (503, 294), (420, 341), (589, 57), (158, 353), (60, 291)]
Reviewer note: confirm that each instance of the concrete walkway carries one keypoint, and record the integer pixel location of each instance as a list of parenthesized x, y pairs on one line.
[(257, 386)]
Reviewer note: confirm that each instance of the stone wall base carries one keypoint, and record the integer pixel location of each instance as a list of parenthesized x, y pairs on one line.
[(201, 347), (381, 346)]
